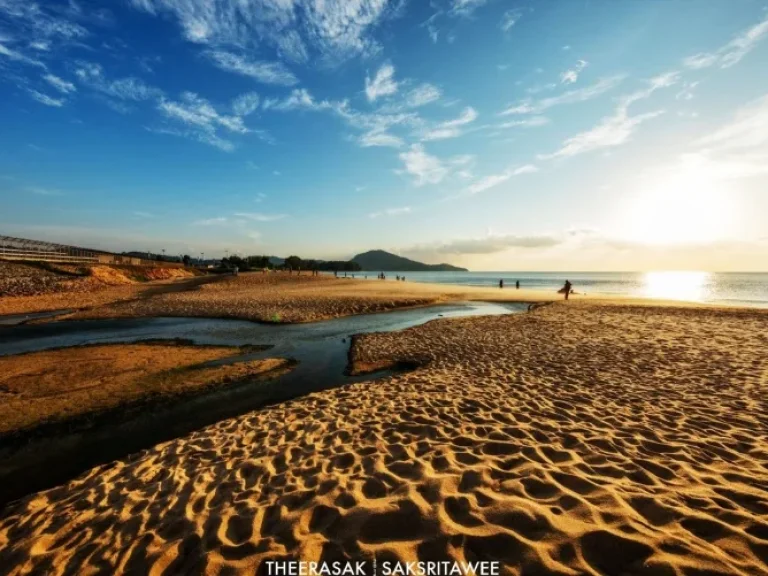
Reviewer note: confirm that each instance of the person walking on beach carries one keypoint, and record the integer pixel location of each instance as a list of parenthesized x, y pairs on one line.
[(517, 284), (501, 283), (567, 289)]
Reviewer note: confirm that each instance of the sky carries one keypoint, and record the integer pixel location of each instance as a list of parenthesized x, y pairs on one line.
[(492, 134)]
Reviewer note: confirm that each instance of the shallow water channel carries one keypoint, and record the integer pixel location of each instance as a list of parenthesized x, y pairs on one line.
[(320, 349)]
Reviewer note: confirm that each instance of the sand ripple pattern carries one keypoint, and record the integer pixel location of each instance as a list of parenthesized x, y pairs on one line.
[(578, 439)]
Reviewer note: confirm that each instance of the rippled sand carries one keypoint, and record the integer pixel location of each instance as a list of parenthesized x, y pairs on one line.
[(577, 439)]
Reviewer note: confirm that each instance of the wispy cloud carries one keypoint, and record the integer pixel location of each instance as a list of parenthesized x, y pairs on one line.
[(422, 95), (382, 84), (465, 7), (211, 221), (510, 18), (570, 97), (617, 128), (332, 29), (44, 191), (451, 128), (60, 84), (261, 71), (131, 88), (490, 244), (531, 122), (47, 100), (201, 120), (731, 53), (245, 104), (259, 217), (494, 180), (425, 168), (738, 149), (571, 75), (390, 212), (16, 56)]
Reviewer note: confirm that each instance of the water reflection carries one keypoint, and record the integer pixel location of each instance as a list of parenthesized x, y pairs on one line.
[(671, 285)]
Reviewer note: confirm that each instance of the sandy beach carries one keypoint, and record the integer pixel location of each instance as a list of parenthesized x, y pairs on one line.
[(54, 386), (282, 297), (580, 438)]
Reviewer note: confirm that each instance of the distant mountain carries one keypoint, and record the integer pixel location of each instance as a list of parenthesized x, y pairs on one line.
[(379, 260), (276, 260)]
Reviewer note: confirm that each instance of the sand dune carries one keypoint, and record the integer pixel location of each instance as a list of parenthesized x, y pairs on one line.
[(578, 439)]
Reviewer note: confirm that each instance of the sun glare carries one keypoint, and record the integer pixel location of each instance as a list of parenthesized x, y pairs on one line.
[(671, 285), (686, 204)]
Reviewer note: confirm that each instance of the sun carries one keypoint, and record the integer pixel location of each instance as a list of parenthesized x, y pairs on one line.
[(684, 204)]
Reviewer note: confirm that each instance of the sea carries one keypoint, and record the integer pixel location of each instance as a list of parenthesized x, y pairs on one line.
[(730, 288)]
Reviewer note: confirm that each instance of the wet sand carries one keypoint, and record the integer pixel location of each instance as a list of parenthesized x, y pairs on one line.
[(577, 439), (52, 386)]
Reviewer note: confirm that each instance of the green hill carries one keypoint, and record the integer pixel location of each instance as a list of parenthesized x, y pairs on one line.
[(381, 261)]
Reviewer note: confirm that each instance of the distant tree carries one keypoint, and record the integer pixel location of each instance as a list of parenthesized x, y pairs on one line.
[(186, 259), (293, 262)]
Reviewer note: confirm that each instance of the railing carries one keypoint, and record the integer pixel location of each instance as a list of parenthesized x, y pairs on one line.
[(22, 249)]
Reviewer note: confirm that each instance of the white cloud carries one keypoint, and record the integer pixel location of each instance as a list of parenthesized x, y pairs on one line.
[(570, 97), (572, 75), (617, 128), (61, 85), (465, 7), (19, 57), (490, 244), (510, 18), (494, 180), (197, 111), (334, 29), (201, 120), (382, 84), (245, 104), (47, 100), (390, 212), (738, 149), (211, 221), (425, 168), (380, 138), (298, 99), (261, 71), (92, 75), (747, 130), (731, 53), (422, 95), (531, 122), (44, 191), (259, 217), (451, 128)]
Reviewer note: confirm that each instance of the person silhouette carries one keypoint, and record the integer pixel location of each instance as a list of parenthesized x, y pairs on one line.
[(501, 283), (517, 284), (567, 288)]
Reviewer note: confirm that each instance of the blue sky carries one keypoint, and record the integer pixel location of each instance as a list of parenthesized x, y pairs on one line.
[(493, 134)]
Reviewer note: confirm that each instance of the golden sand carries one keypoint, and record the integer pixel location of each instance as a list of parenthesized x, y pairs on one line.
[(283, 297), (576, 439), (55, 385)]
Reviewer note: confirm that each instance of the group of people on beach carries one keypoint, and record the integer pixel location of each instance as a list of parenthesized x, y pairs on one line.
[(566, 290), (383, 277)]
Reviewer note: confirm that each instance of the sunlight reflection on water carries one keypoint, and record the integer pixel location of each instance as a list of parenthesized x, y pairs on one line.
[(670, 285)]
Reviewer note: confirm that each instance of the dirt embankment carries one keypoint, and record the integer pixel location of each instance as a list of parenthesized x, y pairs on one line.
[(36, 278)]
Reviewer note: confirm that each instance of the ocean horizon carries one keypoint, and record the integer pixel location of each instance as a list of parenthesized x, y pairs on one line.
[(728, 288)]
